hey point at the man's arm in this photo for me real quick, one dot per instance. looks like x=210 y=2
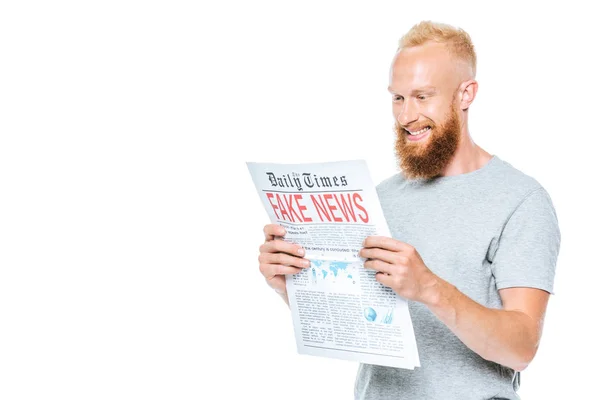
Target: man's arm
x=509 y=336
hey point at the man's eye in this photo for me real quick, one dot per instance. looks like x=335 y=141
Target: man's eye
x=421 y=97
x=398 y=97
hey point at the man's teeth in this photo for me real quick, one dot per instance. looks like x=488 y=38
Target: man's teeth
x=419 y=132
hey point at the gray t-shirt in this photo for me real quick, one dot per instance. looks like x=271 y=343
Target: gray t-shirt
x=482 y=231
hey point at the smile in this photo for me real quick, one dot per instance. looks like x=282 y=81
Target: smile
x=418 y=135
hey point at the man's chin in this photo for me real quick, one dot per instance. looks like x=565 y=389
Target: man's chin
x=418 y=160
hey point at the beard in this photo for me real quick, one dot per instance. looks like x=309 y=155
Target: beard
x=427 y=160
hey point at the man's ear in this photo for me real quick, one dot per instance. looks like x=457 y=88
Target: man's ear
x=467 y=93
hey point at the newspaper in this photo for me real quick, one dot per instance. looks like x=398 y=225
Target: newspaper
x=338 y=308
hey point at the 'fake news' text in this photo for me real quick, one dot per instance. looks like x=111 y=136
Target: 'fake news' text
x=328 y=207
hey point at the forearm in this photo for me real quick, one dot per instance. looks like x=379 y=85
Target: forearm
x=506 y=337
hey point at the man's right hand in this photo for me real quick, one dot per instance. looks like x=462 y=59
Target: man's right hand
x=278 y=258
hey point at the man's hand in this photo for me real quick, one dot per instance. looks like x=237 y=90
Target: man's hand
x=509 y=336
x=400 y=267
x=278 y=258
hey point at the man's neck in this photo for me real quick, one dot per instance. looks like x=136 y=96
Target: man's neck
x=469 y=157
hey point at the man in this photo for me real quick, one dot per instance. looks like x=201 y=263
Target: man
x=474 y=241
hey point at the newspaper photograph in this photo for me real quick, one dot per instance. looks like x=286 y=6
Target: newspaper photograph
x=338 y=308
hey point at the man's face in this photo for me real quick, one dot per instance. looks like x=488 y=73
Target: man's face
x=423 y=83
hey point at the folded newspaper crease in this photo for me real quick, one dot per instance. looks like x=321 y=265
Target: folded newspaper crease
x=338 y=308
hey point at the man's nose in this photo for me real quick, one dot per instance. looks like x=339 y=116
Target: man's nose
x=408 y=114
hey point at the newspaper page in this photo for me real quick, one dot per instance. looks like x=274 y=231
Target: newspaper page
x=338 y=308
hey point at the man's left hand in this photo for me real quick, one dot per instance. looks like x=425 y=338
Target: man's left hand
x=400 y=267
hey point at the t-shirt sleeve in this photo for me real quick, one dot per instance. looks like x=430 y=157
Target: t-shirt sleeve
x=528 y=245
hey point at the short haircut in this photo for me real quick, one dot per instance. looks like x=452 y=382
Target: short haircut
x=457 y=41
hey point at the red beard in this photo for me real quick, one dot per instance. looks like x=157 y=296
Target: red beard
x=428 y=160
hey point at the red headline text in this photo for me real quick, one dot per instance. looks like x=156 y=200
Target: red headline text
x=325 y=207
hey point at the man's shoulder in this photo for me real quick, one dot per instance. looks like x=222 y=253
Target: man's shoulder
x=510 y=179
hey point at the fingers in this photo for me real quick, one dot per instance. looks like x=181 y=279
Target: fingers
x=271 y=271
x=384 y=255
x=379 y=266
x=277 y=246
x=282 y=259
x=385 y=279
x=386 y=243
x=278 y=257
x=272 y=231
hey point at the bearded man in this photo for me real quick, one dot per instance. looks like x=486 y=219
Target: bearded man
x=474 y=240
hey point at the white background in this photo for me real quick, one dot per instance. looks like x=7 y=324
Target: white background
x=129 y=226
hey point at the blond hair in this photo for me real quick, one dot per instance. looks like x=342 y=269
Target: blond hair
x=457 y=41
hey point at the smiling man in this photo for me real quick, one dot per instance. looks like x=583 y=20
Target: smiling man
x=474 y=240
x=426 y=78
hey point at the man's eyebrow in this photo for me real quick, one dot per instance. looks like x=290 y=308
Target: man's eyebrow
x=424 y=89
